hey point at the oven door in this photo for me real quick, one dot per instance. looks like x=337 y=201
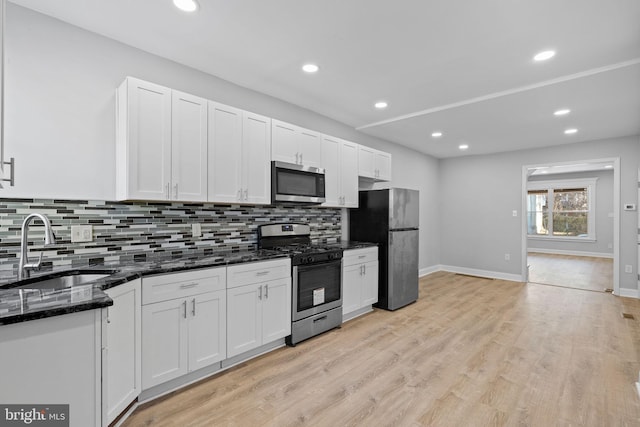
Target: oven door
x=316 y=288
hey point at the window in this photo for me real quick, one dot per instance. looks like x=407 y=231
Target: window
x=562 y=209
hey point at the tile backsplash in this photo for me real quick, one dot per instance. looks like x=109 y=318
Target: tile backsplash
x=123 y=231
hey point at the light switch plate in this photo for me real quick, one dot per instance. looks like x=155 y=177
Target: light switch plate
x=81 y=233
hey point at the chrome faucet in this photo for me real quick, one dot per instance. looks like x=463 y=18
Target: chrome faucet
x=49 y=239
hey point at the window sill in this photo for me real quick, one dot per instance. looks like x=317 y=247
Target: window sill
x=563 y=239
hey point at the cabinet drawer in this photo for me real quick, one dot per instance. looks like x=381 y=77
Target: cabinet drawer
x=258 y=272
x=359 y=256
x=179 y=285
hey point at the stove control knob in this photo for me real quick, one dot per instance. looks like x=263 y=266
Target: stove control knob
x=309 y=260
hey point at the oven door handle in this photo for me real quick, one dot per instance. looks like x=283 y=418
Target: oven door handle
x=320 y=318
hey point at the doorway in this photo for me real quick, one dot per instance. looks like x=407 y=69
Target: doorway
x=571 y=224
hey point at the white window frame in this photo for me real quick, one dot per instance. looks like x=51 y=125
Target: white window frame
x=589 y=184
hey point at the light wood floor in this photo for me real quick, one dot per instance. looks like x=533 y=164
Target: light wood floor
x=470 y=352
x=590 y=273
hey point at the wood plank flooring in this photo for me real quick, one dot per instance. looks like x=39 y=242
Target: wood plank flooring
x=469 y=352
x=590 y=273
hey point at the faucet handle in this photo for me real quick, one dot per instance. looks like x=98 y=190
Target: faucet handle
x=34 y=265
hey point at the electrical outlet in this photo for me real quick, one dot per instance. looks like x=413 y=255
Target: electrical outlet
x=507 y=257
x=628 y=269
x=81 y=233
x=196 y=230
x=514 y=213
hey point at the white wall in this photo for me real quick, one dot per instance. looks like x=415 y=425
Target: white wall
x=603 y=213
x=60 y=115
x=479 y=193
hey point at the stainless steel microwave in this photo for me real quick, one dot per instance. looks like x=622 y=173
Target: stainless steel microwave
x=293 y=183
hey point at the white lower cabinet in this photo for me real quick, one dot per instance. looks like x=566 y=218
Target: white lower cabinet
x=359 y=281
x=183 y=324
x=259 y=304
x=122 y=349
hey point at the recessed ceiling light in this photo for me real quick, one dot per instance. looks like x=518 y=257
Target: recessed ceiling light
x=381 y=105
x=463 y=147
x=571 y=131
x=436 y=134
x=562 y=112
x=186 y=5
x=310 y=68
x=543 y=56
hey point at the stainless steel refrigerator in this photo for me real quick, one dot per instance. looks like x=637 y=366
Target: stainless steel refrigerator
x=390 y=218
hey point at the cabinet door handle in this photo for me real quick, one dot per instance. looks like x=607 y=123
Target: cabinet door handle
x=364 y=270
x=261 y=273
x=175 y=189
x=246 y=194
x=184 y=306
x=188 y=285
x=193 y=307
x=260 y=293
x=301 y=158
x=297 y=162
x=166 y=187
x=361 y=256
x=266 y=291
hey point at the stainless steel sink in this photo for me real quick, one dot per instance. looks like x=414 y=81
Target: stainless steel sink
x=63 y=281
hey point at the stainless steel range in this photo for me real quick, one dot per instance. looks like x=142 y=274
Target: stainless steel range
x=316 y=278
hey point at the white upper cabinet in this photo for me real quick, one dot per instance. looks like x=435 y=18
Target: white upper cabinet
x=256 y=154
x=225 y=153
x=374 y=164
x=161 y=146
x=340 y=161
x=293 y=144
x=239 y=153
x=188 y=147
x=143 y=146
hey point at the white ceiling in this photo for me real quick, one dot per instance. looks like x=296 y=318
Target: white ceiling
x=463 y=67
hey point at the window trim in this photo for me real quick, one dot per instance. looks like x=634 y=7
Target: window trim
x=589 y=184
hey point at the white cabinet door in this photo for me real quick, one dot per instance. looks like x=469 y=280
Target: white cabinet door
x=276 y=310
x=383 y=166
x=293 y=144
x=284 y=144
x=366 y=162
x=310 y=147
x=122 y=384
x=225 y=153
x=244 y=316
x=331 y=164
x=256 y=154
x=351 y=288
x=188 y=147
x=349 y=174
x=143 y=147
x=207 y=319
x=369 y=294
x=164 y=342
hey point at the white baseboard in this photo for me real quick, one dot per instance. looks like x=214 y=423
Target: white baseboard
x=428 y=270
x=629 y=293
x=572 y=253
x=482 y=273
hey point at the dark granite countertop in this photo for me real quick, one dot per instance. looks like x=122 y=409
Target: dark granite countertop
x=19 y=302
x=350 y=244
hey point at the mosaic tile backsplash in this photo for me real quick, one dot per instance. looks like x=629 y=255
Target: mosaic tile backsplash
x=124 y=231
